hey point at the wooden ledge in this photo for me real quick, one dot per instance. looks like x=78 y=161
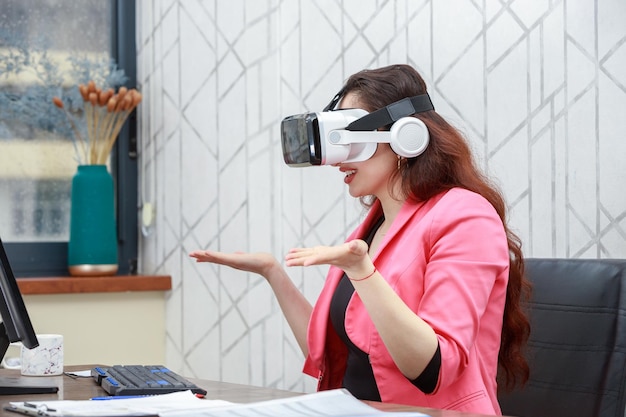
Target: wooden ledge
x=115 y=283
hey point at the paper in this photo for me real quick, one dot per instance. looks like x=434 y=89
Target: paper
x=333 y=403
x=79 y=374
x=149 y=405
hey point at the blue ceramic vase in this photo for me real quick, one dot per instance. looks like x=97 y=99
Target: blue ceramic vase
x=92 y=249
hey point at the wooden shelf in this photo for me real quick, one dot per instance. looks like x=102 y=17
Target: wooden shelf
x=114 y=283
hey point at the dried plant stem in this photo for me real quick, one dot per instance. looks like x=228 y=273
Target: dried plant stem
x=103 y=127
x=117 y=126
x=95 y=146
x=106 y=129
x=80 y=153
x=90 y=135
x=83 y=151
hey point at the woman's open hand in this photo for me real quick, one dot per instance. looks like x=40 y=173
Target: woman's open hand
x=295 y=306
x=259 y=263
x=351 y=256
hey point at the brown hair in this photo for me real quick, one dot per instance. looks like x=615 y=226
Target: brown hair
x=447 y=162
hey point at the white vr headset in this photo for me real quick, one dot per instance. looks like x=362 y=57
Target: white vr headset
x=349 y=135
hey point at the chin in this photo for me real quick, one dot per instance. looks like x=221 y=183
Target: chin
x=355 y=193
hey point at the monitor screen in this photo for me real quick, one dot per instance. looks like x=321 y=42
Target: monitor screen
x=15 y=327
x=15 y=319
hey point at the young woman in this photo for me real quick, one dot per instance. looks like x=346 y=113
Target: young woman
x=423 y=303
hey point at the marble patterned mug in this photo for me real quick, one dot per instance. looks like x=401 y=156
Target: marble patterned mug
x=44 y=360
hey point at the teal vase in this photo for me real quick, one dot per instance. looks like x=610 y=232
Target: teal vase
x=92 y=249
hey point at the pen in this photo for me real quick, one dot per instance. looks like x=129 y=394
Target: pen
x=32 y=409
x=118 y=397
x=21 y=411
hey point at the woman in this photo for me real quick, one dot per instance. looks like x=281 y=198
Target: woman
x=423 y=301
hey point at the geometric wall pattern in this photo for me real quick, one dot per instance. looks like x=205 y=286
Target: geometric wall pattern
x=537 y=86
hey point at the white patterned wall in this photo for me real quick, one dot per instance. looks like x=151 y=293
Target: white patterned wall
x=538 y=86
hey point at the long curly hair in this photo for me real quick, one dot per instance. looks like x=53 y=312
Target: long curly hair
x=447 y=162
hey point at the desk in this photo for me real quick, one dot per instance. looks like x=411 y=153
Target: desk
x=85 y=388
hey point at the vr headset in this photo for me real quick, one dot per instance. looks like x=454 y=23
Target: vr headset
x=350 y=135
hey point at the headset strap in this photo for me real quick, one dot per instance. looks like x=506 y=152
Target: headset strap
x=331 y=106
x=392 y=113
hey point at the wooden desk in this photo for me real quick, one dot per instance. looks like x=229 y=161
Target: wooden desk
x=85 y=388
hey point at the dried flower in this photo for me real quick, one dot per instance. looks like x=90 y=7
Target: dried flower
x=105 y=114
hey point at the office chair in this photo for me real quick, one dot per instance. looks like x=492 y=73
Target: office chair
x=577 y=345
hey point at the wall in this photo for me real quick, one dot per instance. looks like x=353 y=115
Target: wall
x=538 y=87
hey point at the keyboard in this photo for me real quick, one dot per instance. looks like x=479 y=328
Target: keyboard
x=142 y=380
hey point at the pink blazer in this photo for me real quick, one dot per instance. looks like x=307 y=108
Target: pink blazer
x=448 y=259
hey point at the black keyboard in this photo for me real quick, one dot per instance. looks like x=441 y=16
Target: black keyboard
x=142 y=380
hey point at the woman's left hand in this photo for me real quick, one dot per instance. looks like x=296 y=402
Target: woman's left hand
x=351 y=257
x=398 y=326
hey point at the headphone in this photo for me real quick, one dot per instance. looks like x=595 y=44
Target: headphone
x=409 y=135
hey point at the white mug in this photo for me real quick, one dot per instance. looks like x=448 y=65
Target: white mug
x=44 y=360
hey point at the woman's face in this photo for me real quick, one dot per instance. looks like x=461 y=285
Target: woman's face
x=370 y=177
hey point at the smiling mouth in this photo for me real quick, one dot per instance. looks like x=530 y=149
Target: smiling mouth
x=350 y=172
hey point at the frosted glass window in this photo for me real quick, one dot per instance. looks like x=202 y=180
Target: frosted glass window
x=42 y=44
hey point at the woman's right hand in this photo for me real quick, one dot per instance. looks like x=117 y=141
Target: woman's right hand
x=295 y=306
x=259 y=263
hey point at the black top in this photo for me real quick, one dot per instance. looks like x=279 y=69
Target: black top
x=359 y=377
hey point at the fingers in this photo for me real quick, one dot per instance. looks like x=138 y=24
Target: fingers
x=214 y=257
x=202 y=256
x=300 y=257
x=197 y=254
x=317 y=255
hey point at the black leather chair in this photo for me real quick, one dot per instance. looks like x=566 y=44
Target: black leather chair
x=577 y=346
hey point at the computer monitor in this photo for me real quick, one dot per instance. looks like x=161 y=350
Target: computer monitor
x=15 y=327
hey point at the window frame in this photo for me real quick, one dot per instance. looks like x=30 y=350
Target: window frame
x=48 y=259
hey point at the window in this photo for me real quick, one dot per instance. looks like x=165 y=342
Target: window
x=36 y=150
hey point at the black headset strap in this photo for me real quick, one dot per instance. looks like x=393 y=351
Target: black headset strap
x=392 y=113
x=334 y=101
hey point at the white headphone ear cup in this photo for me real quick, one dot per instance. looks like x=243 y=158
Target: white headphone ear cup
x=409 y=137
